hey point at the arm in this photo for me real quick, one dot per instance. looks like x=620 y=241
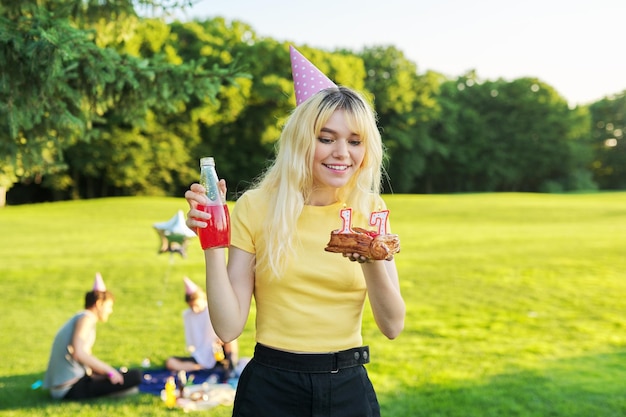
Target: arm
x=229 y=287
x=229 y=290
x=383 y=290
x=81 y=350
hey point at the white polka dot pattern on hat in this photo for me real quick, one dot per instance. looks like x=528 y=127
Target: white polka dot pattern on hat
x=307 y=78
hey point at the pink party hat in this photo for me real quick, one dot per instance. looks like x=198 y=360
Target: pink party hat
x=307 y=78
x=98 y=283
x=190 y=286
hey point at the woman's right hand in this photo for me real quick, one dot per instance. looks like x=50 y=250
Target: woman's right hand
x=196 y=194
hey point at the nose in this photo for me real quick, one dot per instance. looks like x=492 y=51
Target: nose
x=341 y=149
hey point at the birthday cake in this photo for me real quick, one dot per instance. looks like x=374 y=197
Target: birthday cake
x=366 y=243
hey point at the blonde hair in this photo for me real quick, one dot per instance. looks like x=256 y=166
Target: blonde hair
x=289 y=180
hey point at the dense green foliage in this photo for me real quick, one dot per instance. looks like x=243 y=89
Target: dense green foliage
x=507 y=136
x=98 y=100
x=70 y=77
x=608 y=135
x=515 y=303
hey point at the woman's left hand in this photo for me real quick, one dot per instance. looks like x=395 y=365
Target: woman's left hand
x=355 y=257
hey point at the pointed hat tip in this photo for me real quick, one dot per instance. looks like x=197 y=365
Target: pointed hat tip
x=98 y=283
x=308 y=80
x=190 y=286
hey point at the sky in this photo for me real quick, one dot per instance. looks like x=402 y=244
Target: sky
x=576 y=46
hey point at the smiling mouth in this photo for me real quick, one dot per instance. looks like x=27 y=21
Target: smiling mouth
x=337 y=167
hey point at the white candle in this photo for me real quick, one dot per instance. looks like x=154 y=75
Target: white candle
x=379 y=218
x=346 y=215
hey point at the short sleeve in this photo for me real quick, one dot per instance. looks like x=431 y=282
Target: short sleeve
x=241 y=225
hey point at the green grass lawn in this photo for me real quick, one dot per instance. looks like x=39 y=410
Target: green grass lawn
x=515 y=303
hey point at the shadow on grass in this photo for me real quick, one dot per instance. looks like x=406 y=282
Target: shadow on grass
x=590 y=386
x=17 y=393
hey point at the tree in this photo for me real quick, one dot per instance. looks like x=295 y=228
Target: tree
x=609 y=141
x=153 y=155
x=57 y=81
x=530 y=125
x=460 y=131
x=403 y=101
x=507 y=136
x=220 y=43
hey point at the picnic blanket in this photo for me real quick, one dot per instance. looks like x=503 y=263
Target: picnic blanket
x=154 y=379
x=202 y=389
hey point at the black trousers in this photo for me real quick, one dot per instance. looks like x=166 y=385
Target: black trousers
x=281 y=384
x=91 y=387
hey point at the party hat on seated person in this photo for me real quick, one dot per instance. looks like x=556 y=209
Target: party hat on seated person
x=98 y=283
x=307 y=78
x=190 y=286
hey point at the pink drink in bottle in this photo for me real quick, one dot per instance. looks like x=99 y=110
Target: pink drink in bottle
x=217 y=232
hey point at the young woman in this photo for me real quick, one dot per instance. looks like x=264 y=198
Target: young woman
x=309 y=356
x=73 y=372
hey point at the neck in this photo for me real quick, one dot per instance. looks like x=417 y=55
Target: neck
x=322 y=198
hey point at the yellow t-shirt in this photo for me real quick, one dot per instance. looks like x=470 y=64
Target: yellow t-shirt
x=317 y=306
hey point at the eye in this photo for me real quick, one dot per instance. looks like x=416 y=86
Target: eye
x=325 y=140
x=356 y=142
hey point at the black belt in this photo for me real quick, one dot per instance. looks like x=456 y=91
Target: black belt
x=311 y=362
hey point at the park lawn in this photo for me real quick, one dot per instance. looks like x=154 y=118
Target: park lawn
x=515 y=303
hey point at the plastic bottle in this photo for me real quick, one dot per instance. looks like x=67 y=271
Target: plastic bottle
x=182 y=381
x=170 y=392
x=217 y=232
x=218 y=352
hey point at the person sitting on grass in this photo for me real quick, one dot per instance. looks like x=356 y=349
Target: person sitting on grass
x=73 y=372
x=207 y=351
